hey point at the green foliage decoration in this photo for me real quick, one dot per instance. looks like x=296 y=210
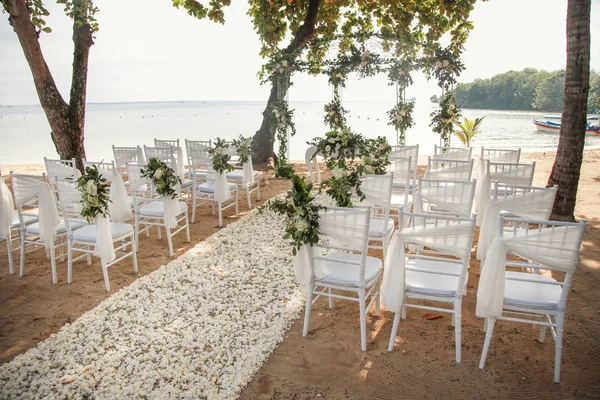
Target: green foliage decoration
x=220 y=156
x=94 y=194
x=244 y=148
x=163 y=177
x=301 y=212
x=442 y=120
x=400 y=117
x=376 y=157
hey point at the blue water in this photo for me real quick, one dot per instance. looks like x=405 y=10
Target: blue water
x=25 y=133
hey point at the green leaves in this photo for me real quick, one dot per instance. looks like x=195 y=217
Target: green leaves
x=94 y=194
x=442 y=119
x=214 y=11
x=163 y=177
x=220 y=156
x=468 y=129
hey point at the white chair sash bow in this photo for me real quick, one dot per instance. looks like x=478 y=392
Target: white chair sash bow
x=533 y=205
x=557 y=248
x=49 y=218
x=105 y=247
x=393 y=290
x=170 y=211
x=439 y=196
x=248 y=173
x=119 y=208
x=221 y=190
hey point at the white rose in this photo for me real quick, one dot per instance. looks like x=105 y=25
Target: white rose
x=362 y=64
x=158 y=173
x=438 y=64
x=452 y=106
x=91 y=188
x=403 y=113
x=301 y=225
x=338 y=173
x=339 y=75
x=446 y=63
x=331 y=140
x=284 y=63
x=332 y=113
x=337 y=119
x=328 y=148
x=281 y=69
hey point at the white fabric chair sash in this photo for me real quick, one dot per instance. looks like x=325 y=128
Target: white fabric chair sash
x=440 y=196
x=248 y=173
x=557 y=248
x=170 y=211
x=7 y=209
x=136 y=180
x=435 y=237
x=454 y=155
x=48 y=214
x=119 y=208
x=513 y=176
x=221 y=189
x=340 y=228
x=59 y=170
x=375 y=192
x=533 y=205
x=459 y=172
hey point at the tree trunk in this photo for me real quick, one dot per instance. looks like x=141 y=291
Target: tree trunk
x=265 y=136
x=66 y=120
x=569 y=157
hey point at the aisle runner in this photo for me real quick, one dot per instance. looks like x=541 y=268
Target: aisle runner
x=200 y=326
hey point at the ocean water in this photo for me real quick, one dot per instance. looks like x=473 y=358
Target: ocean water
x=25 y=133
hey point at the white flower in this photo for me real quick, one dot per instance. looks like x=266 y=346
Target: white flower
x=332 y=113
x=438 y=64
x=301 y=225
x=284 y=63
x=362 y=64
x=91 y=188
x=220 y=151
x=158 y=173
x=331 y=140
x=328 y=148
x=446 y=63
x=337 y=119
x=338 y=173
x=339 y=75
x=403 y=113
x=452 y=106
x=281 y=69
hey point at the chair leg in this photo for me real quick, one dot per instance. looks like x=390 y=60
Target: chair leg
x=220 y=215
x=258 y=189
x=330 y=298
x=194 y=202
x=136 y=228
x=394 y=330
x=542 y=335
x=309 y=292
x=403 y=312
x=89 y=256
x=458 y=328
x=560 y=320
x=134 y=255
x=159 y=233
x=237 y=203
x=363 y=320
x=69 y=261
x=488 y=339
x=170 y=241
x=105 y=273
x=187 y=226
x=9 y=250
x=248 y=197
x=378 y=298
x=22 y=260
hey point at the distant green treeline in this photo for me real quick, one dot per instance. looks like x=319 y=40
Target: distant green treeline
x=530 y=89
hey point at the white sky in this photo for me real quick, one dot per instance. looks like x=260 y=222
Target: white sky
x=146 y=50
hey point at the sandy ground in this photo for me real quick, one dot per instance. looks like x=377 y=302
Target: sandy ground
x=329 y=363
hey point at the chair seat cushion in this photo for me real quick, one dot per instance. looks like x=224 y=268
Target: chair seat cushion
x=155 y=209
x=238 y=174
x=398 y=200
x=380 y=227
x=34 y=229
x=531 y=294
x=87 y=233
x=402 y=185
x=347 y=274
x=209 y=187
x=27 y=219
x=186 y=183
x=432 y=284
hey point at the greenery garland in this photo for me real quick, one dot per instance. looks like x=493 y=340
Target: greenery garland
x=335 y=114
x=302 y=214
x=376 y=158
x=400 y=117
x=343 y=184
x=163 y=177
x=282 y=120
x=94 y=193
x=443 y=119
x=243 y=148
x=220 y=156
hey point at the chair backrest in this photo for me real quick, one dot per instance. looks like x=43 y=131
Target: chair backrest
x=61 y=168
x=378 y=192
x=196 y=151
x=444 y=169
x=445 y=238
x=502 y=191
x=501 y=155
x=107 y=169
x=510 y=173
x=166 y=142
x=124 y=155
x=412 y=152
x=403 y=177
x=141 y=188
x=312 y=165
x=166 y=154
x=452 y=153
x=26 y=189
x=453 y=197
x=345 y=230
x=544 y=245
x=69 y=198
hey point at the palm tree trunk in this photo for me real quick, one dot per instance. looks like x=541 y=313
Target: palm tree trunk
x=569 y=157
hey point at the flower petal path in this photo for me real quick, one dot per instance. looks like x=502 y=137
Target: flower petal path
x=198 y=327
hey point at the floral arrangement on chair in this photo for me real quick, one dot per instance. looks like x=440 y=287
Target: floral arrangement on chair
x=94 y=193
x=243 y=148
x=163 y=177
x=220 y=156
x=302 y=214
x=375 y=159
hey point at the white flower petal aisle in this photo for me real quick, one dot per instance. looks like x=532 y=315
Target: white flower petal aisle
x=200 y=326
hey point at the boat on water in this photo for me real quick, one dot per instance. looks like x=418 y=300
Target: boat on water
x=551 y=124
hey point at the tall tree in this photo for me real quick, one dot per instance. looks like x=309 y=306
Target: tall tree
x=569 y=156
x=66 y=119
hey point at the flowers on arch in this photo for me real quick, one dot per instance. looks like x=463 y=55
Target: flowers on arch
x=442 y=120
x=344 y=184
x=400 y=117
x=335 y=114
x=220 y=156
x=163 y=177
x=444 y=64
x=340 y=146
x=243 y=148
x=94 y=193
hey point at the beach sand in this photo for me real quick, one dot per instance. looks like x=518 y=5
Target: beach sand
x=328 y=363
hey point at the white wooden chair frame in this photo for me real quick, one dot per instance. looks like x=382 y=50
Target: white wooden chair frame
x=237 y=176
x=438 y=169
x=380 y=211
x=452 y=153
x=506 y=155
x=403 y=185
x=442 y=260
x=553 y=318
x=365 y=293
x=193 y=148
x=412 y=153
x=145 y=196
x=461 y=191
x=78 y=244
x=169 y=156
x=312 y=165
x=521 y=174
